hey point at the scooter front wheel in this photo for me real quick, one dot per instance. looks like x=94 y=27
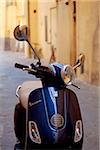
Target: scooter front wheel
x=77 y=146
x=18 y=146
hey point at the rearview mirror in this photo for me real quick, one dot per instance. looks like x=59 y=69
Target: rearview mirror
x=80 y=61
x=81 y=58
x=67 y=74
x=21 y=33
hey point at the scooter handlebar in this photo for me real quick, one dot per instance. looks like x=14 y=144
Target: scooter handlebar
x=32 y=69
x=20 y=66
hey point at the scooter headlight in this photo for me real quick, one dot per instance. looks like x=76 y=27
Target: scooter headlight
x=67 y=74
x=34 y=132
x=78 y=131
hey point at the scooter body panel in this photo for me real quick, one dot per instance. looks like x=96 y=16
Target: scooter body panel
x=52 y=115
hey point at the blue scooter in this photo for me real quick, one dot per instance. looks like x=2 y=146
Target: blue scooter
x=48 y=114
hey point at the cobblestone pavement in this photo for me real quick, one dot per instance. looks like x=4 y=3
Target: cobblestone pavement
x=9 y=79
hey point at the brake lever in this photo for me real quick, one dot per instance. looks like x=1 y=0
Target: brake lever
x=75 y=86
x=29 y=69
x=70 y=83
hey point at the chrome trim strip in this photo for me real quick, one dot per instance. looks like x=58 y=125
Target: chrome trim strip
x=51 y=92
x=46 y=111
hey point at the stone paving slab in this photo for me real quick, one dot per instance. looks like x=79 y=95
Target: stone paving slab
x=89 y=100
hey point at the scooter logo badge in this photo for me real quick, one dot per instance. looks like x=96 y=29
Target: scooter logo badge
x=57 y=120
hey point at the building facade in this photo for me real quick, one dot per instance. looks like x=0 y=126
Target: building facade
x=68 y=27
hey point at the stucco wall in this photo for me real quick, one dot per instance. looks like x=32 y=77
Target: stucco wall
x=64 y=30
x=44 y=11
x=64 y=33
x=88 y=38
x=2 y=24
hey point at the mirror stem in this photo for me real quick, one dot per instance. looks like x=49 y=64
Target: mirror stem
x=77 y=65
x=34 y=51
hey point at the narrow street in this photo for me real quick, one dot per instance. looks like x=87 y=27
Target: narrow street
x=9 y=79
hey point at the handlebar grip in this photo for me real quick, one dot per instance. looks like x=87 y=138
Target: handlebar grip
x=20 y=66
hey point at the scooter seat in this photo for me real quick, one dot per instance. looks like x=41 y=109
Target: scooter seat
x=26 y=88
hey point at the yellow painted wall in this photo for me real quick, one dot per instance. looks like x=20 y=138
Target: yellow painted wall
x=33 y=22
x=64 y=29
x=65 y=32
x=44 y=10
x=12 y=14
x=88 y=38
x=87 y=28
x=22 y=19
x=2 y=23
